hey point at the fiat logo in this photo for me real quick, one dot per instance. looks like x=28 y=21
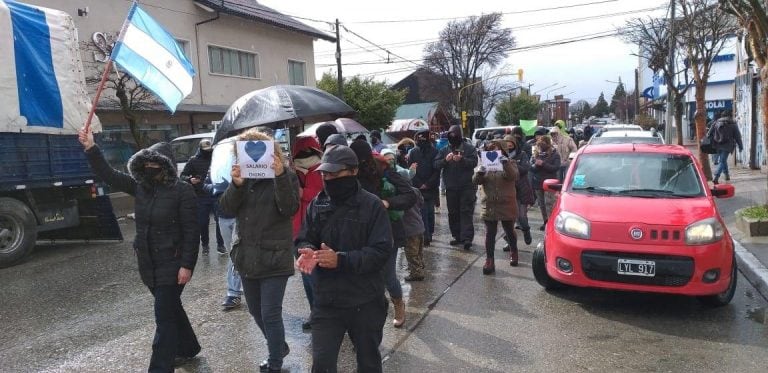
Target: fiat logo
x=636 y=233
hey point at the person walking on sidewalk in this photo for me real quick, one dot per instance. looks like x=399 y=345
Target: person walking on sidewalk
x=544 y=166
x=458 y=161
x=499 y=204
x=726 y=136
x=165 y=243
x=262 y=252
x=564 y=145
x=345 y=243
x=426 y=179
x=394 y=190
x=306 y=160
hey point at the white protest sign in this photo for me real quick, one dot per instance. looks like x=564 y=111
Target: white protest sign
x=491 y=161
x=255 y=159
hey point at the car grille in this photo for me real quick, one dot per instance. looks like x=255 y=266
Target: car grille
x=670 y=270
x=665 y=235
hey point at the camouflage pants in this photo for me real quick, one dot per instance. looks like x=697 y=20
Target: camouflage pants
x=414 y=254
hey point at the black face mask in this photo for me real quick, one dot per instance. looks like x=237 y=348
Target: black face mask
x=424 y=143
x=340 y=189
x=152 y=172
x=454 y=140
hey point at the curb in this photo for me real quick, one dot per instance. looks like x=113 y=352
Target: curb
x=749 y=266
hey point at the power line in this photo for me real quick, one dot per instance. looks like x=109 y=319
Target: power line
x=503 y=13
x=523 y=27
x=377 y=46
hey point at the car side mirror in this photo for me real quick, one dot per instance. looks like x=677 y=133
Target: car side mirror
x=723 y=191
x=552 y=185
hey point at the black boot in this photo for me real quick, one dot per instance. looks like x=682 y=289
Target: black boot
x=527 y=236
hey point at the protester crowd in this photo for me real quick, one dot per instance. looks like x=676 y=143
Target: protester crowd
x=338 y=210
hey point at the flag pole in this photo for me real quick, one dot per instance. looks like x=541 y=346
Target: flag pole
x=107 y=70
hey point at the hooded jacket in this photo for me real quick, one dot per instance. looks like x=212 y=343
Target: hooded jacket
x=166 y=213
x=198 y=166
x=457 y=175
x=310 y=180
x=426 y=173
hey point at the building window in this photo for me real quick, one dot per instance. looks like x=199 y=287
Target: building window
x=296 y=73
x=233 y=62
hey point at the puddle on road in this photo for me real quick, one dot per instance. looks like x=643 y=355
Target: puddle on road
x=758 y=314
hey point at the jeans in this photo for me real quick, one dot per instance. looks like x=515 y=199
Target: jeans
x=265 y=303
x=173 y=332
x=722 y=167
x=522 y=216
x=234 y=284
x=306 y=280
x=428 y=218
x=390 y=276
x=491 y=227
x=204 y=210
x=546 y=202
x=365 y=325
x=461 y=209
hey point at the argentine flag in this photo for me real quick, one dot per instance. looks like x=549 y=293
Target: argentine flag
x=42 y=87
x=151 y=56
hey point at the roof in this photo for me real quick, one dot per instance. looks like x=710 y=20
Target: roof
x=416 y=111
x=250 y=9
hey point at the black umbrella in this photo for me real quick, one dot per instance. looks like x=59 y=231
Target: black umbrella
x=281 y=106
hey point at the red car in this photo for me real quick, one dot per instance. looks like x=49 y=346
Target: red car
x=638 y=217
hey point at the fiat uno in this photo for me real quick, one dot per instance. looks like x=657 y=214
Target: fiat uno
x=638 y=217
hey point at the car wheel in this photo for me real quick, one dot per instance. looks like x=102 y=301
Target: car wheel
x=18 y=231
x=722 y=299
x=539 y=266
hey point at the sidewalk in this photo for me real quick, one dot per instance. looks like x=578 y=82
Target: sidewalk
x=751 y=252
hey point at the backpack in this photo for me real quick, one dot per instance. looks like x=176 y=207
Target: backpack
x=719 y=133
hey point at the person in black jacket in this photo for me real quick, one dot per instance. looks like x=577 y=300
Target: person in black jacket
x=165 y=242
x=194 y=173
x=344 y=243
x=426 y=179
x=394 y=190
x=458 y=161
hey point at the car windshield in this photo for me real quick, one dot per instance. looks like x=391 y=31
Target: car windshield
x=648 y=175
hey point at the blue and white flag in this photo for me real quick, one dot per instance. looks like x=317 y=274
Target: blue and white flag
x=42 y=87
x=151 y=56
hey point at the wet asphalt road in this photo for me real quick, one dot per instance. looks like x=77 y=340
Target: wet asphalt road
x=75 y=307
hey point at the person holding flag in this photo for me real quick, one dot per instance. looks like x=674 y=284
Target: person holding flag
x=167 y=253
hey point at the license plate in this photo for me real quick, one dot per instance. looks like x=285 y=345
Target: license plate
x=633 y=267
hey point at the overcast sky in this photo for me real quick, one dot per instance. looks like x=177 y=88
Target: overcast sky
x=581 y=67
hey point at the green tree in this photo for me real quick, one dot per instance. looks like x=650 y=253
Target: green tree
x=374 y=102
x=512 y=110
x=601 y=107
x=618 y=105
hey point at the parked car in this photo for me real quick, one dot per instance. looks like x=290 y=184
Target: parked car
x=185 y=147
x=486 y=130
x=626 y=136
x=666 y=237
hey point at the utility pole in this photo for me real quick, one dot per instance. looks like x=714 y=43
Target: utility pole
x=339 y=80
x=670 y=91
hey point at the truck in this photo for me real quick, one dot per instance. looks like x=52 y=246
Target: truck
x=47 y=190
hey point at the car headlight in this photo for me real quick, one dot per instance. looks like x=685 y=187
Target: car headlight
x=572 y=225
x=704 y=232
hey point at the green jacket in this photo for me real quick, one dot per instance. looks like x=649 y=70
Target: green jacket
x=262 y=246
